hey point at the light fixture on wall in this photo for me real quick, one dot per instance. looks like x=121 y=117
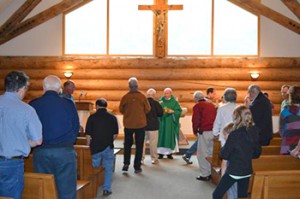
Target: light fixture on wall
x=254 y=75
x=68 y=74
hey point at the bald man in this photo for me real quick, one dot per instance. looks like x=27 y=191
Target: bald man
x=60 y=128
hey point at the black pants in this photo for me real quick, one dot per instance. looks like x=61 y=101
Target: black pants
x=139 y=143
x=226 y=182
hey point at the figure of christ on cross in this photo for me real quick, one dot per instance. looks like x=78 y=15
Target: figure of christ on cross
x=160 y=11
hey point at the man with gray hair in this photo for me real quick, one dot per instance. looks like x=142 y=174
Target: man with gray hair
x=60 y=122
x=261 y=110
x=152 y=125
x=20 y=130
x=134 y=106
x=224 y=113
x=204 y=114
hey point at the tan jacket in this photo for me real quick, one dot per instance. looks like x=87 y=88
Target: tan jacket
x=134 y=106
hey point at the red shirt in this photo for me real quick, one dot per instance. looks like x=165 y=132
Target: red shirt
x=204 y=114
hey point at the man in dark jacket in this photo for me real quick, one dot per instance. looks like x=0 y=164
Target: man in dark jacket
x=261 y=110
x=152 y=125
x=102 y=129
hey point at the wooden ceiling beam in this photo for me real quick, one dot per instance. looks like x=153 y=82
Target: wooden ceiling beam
x=40 y=18
x=261 y=9
x=293 y=5
x=18 y=16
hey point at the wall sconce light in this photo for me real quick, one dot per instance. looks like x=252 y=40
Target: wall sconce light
x=254 y=75
x=68 y=74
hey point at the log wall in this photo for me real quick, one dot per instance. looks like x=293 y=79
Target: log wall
x=107 y=76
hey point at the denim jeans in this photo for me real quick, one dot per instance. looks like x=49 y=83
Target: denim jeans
x=226 y=182
x=61 y=162
x=11 y=178
x=107 y=158
x=139 y=143
x=192 y=149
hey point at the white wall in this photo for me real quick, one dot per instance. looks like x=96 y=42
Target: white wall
x=277 y=41
x=46 y=39
x=43 y=40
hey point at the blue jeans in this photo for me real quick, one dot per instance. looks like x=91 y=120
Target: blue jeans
x=11 y=178
x=226 y=182
x=61 y=162
x=192 y=149
x=107 y=158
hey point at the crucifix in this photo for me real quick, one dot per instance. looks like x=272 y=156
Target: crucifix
x=160 y=27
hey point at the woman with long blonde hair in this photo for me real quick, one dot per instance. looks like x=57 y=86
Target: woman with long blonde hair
x=240 y=148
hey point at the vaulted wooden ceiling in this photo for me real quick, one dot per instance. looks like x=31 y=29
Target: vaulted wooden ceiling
x=16 y=25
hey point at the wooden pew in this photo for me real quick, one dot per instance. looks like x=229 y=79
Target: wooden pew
x=85 y=169
x=276 y=185
x=276 y=141
x=271 y=150
x=264 y=163
x=42 y=186
x=81 y=141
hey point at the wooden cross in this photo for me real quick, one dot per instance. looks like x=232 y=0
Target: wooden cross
x=160 y=27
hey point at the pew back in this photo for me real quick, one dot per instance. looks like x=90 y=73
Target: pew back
x=39 y=186
x=276 y=184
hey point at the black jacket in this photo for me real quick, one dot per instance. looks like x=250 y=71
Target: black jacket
x=101 y=126
x=261 y=110
x=240 y=148
x=152 y=117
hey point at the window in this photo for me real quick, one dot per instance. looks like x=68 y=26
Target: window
x=85 y=29
x=189 y=31
x=202 y=28
x=234 y=35
x=130 y=29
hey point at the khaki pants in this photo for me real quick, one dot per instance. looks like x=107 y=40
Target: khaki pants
x=205 y=149
x=152 y=136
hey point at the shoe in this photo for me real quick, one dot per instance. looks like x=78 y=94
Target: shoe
x=138 y=170
x=207 y=178
x=106 y=192
x=187 y=160
x=170 y=156
x=125 y=167
x=154 y=161
x=160 y=156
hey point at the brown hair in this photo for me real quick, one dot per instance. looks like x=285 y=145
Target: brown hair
x=228 y=128
x=294 y=92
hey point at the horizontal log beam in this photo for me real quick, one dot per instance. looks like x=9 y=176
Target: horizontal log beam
x=92 y=62
x=242 y=74
x=103 y=84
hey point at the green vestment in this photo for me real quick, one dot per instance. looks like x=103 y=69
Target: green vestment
x=169 y=124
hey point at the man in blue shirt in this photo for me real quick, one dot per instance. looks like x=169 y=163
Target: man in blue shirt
x=60 y=128
x=20 y=130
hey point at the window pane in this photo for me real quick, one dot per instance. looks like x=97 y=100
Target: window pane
x=130 y=28
x=85 y=29
x=236 y=30
x=189 y=30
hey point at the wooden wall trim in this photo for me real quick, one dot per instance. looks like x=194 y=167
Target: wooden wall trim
x=93 y=62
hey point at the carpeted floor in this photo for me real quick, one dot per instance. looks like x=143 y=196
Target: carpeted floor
x=170 y=179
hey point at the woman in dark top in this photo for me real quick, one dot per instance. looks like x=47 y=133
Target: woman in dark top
x=240 y=148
